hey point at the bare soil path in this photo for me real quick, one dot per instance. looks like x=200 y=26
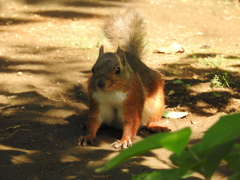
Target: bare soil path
x=47 y=49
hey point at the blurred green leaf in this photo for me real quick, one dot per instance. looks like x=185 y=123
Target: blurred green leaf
x=233 y=158
x=205 y=156
x=212 y=157
x=236 y=176
x=178 y=81
x=174 y=141
x=165 y=174
x=219 y=142
x=226 y=129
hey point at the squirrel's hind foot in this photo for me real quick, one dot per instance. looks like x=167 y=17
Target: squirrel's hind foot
x=158 y=129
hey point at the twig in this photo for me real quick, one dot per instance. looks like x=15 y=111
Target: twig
x=9 y=135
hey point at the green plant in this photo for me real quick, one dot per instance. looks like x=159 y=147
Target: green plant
x=84 y=42
x=179 y=81
x=220 y=81
x=218 y=143
x=210 y=61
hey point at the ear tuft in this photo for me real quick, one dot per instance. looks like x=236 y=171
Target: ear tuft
x=120 y=52
x=101 y=50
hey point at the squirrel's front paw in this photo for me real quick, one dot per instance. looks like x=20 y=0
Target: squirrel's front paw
x=122 y=143
x=84 y=140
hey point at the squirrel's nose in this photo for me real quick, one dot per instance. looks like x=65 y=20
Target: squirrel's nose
x=101 y=83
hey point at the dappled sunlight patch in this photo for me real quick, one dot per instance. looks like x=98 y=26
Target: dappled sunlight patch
x=22 y=156
x=205 y=107
x=98 y=163
x=21 y=159
x=9 y=148
x=157 y=161
x=70 y=158
x=200 y=87
x=52 y=120
x=47 y=51
x=95 y=164
x=60 y=112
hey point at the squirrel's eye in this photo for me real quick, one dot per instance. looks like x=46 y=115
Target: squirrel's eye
x=118 y=70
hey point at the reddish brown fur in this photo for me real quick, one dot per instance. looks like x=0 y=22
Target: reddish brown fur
x=93 y=123
x=133 y=107
x=139 y=87
x=156 y=89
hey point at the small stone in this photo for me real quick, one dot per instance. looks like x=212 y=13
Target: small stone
x=23 y=108
x=19 y=73
x=205 y=46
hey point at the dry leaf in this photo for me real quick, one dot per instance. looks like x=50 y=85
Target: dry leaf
x=171 y=92
x=174 y=48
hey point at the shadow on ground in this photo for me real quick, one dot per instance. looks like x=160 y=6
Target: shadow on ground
x=43 y=99
x=195 y=93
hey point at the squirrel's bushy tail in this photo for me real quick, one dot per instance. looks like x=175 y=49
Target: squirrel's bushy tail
x=127 y=30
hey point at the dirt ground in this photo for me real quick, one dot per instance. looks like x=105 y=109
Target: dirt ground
x=47 y=49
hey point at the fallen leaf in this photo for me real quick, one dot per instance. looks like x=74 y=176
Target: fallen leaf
x=174 y=48
x=192 y=122
x=171 y=114
x=178 y=81
x=171 y=92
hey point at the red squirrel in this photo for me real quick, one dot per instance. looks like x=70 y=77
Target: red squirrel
x=124 y=92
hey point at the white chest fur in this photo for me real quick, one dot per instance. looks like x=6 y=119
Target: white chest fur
x=111 y=107
x=110 y=98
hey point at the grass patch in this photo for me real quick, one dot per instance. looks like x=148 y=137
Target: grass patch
x=84 y=42
x=211 y=61
x=220 y=81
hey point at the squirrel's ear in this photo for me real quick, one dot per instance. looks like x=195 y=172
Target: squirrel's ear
x=121 y=54
x=101 y=50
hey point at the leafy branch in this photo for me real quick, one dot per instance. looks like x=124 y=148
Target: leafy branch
x=218 y=143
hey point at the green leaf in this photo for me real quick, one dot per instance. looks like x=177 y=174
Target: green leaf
x=142 y=176
x=165 y=174
x=186 y=159
x=212 y=158
x=217 y=142
x=216 y=94
x=204 y=162
x=236 y=176
x=178 y=81
x=224 y=130
x=233 y=158
x=174 y=141
x=170 y=114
